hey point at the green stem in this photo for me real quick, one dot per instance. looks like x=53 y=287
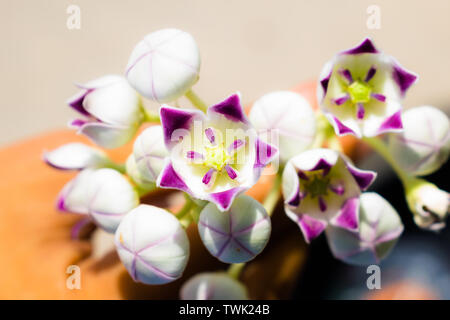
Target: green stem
x=378 y=145
x=274 y=195
x=151 y=117
x=234 y=270
x=187 y=207
x=116 y=166
x=195 y=100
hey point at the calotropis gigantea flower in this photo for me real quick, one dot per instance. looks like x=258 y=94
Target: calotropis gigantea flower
x=152 y=245
x=379 y=229
x=150 y=152
x=111 y=108
x=237 y=235
x=424 y=145
x=164 y=65
x=360 y=91
x=320 y=186
x=287 y=118
x=429 y=204
x=76 y=156
x=213 y=157
x=213 y=286
x=103 y=194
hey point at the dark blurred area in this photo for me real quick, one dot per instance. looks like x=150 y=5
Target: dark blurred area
x=417 y=268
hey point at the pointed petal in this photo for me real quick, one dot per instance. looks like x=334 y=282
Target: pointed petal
x=173 y=119
x=366 y=46
x=265 y=153
x=224 y=199
x=363 y=178
x=392 y=123
x=169 y=179
x=310 y=227
x=106 y=135
x=75 y=156
x=403 y=78
x=340 y=128
x=348 y=217
x=76 y=102
x=231 y=109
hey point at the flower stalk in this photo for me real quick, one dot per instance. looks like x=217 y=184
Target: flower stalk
x=195 y=100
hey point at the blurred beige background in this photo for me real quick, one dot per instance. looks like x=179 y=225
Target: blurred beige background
x=251 y=46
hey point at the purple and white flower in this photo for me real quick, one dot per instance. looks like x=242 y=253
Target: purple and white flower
x=111 y=110
x=213 y=286
x=379 y=229
x=321 y=187
x=152 y=245
x=76 y=156
x=360 y=91
x=213 y=157
x=164 y=65
x=103 y=194
x=285 y=119
x=424 y=145
x=237 y=235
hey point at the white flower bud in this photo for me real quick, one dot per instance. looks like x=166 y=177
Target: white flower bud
x=152 y=245
x=164 y=65
x=429 y=204
x=149 y=153
x=76 y=156
x=104 y=194
x=135 y=175
x=213 y=286
x=379 y=229
x=236 y=235
x=424 y=145
x=285 y=119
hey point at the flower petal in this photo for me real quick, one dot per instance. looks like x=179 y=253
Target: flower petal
x=265 y=153
x=363 y=178
x=76 y=102
x=349 y=215
x=106 y=135
x=224 y=199
x=310 y=227
x=174 y=121
x=230 y=108
x=169 y=179
x=403 y=78
x=366 y=46
x=75 y=156
x=392 y=124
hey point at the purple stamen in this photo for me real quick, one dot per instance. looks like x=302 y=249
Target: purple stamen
x=379 y=97
x=341 y=100
x=235 y=145
x=209 y=177
x=231 y=172
x=322 y=204
x=339 y=189
x=347 y=75
x=302 y=175
x=360 y=113
x=193 y=155
x=210 y=135
x=370 y=74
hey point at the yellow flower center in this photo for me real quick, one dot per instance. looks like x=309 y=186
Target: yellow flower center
x=216 y=157
x=359 y=92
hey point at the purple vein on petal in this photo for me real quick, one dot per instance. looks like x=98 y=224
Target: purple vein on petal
x=235 y=145
x=193 y=155
x=209 y=177
x=360 y=111
x=209 y=132
x=322 y=204
x=370 y=73
x=231 y=172
x=379 y=97
x=346 y=74
x=207 y=226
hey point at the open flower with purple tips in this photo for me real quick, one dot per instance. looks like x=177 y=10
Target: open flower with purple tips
x=322 y=187
x=215 y=156
x=111 y=111
x=360 y=91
